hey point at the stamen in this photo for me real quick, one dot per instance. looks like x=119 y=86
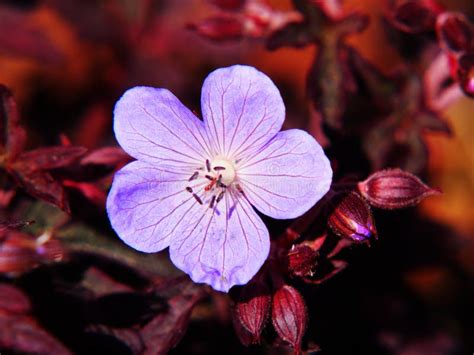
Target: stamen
x=219 y=182
x=208 y=177
x=211 y=204
x=194 y=176
x=197 y=199
x=208 y=165
x=218 y=168
x=239 y=188
x=221 y=195
x=188 y=189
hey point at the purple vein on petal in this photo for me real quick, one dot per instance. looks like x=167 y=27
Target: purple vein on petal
x=239 y=119
x=174 y=134
x=206 y=149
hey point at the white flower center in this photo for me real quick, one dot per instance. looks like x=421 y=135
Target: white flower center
x=209 y=183
x=224 y=168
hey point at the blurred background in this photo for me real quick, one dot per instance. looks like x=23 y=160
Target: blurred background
x=67 y=63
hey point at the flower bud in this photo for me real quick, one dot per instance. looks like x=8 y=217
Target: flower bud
x=351 y=217
x=253 y=307
x=466 y=73
x=454 y=31
x=394 y=188
x=302 y=260
x=21 y=252
x=289 y=316
x=415 y=16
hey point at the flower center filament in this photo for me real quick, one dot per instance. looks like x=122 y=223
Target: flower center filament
x=214 y=178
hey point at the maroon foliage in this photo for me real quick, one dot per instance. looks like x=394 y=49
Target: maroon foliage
x=219 y=28
x=20 y=332
x=164 y=331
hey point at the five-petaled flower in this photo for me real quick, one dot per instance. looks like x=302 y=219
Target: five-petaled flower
x=194 y=182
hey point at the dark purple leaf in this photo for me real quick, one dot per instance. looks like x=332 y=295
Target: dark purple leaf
x=13 y=136
x=219 y=28
x=229 y=5
x=164 y=331
x=48 y=158
x=22 y=334
x=13 y=300
x=42 y=185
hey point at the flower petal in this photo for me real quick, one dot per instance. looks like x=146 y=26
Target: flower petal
x=221 y=247
x=146 y=203
x=288 y=176
x=153 y=125
x=242 y=109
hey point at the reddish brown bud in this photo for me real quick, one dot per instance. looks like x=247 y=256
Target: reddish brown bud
x=351 y=217
x=219 y=28
x=414 y=16
x=289 y=316
x=302 y=260
x=252 y=308
x=454 y=31
x=21 y=252
x=394 y=188
x=466 y=74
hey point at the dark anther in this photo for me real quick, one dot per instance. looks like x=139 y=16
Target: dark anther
x=208 y=165
x=221 y=195
x=197 y=199
x=211 y=204
x=194 y=176
x=188 y=189
x=217 y=168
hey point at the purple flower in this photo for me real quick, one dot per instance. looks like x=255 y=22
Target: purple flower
x=194 y=182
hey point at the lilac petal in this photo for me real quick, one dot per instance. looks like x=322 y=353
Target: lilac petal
x=222 y=248
x=242 y=110
x=287 y=176
x=153 y=125
x=146 y=203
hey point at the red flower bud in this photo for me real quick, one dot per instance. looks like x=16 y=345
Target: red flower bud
x=466 y=73
x=21 y=252
x=252 y=308
x=351 y=217
x=414 y=16
x=289 y=316
x=302 y=260
x=394 y=188
x=219 y=28
x=454 y=31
